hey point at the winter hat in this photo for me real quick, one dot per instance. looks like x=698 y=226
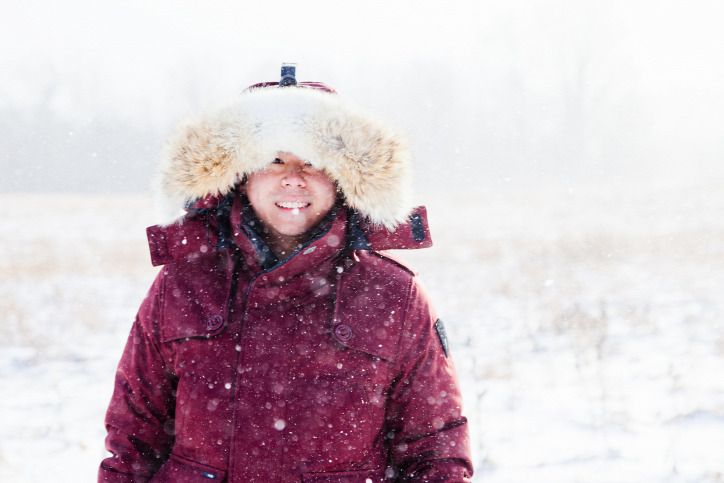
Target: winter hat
x=369 y=160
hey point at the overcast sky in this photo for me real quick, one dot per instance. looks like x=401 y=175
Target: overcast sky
x=152 y=61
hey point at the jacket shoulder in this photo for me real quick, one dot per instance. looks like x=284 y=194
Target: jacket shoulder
x=192 y=235
x=388 y=262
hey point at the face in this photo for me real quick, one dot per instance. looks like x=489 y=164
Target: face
x=290 y=197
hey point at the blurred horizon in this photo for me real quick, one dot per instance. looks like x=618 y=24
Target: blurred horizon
x=489 y=92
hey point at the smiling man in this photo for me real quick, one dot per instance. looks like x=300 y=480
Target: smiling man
x=280 y=341
x=290 y=197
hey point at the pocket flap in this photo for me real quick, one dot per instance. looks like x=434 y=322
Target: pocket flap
x=371 y=338
x=180 y=469
x=201 y=327
x=364 y=476
x=367 y=317
x=190 y=307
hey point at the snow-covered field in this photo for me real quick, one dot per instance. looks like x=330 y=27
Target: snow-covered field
x=587 y=325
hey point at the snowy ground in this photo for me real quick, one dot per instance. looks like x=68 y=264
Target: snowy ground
x=587 y=326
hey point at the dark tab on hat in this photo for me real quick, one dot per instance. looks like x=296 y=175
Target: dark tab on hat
x=289 y=72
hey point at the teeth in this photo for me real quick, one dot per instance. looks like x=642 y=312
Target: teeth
x=291 y=204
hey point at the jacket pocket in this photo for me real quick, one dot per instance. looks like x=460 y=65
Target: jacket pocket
x=199 y=326
x=181 y=470
x=364 y=476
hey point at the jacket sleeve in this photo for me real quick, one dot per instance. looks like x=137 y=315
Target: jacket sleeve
x=140 y=417
x=430 y=441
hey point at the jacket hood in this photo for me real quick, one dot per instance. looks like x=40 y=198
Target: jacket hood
x=369 y=161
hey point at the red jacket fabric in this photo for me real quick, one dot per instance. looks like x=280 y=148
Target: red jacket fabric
x=329 y=366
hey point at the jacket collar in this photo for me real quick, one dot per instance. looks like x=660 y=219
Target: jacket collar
x=216 y=223
x=249 y=223
x=326 y=242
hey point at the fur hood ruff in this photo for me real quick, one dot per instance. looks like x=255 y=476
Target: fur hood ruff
x=369 y=161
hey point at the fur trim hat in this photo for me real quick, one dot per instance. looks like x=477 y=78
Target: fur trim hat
x=369 y=161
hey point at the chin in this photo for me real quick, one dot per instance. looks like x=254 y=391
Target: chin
x=296 y=228
x=294 y=231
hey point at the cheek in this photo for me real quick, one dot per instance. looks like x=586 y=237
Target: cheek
x=255 y=185
x=326 y=192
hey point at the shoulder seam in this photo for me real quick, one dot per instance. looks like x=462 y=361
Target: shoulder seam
x=395 y=261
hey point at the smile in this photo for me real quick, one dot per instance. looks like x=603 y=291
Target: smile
x=291 y=204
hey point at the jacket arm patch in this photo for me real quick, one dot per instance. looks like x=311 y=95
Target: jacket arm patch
x=440 y=329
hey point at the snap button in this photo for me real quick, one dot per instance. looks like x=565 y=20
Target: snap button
x=214 y=322
x=343 y=332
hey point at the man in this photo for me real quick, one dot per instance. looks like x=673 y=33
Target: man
x=280 y=342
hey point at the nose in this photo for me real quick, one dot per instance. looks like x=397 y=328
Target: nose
x=294 y=177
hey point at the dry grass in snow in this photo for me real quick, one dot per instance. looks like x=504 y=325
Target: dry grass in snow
x=587 y=325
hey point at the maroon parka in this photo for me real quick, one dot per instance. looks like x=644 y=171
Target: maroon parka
x=330 y=366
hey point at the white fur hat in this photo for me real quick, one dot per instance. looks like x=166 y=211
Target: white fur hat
x=369 y=161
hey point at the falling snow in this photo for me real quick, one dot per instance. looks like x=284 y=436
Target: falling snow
x=586 y=325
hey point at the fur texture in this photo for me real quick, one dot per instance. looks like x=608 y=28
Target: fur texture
x=369 y=161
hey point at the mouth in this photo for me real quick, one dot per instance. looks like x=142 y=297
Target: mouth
x=291 y=204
